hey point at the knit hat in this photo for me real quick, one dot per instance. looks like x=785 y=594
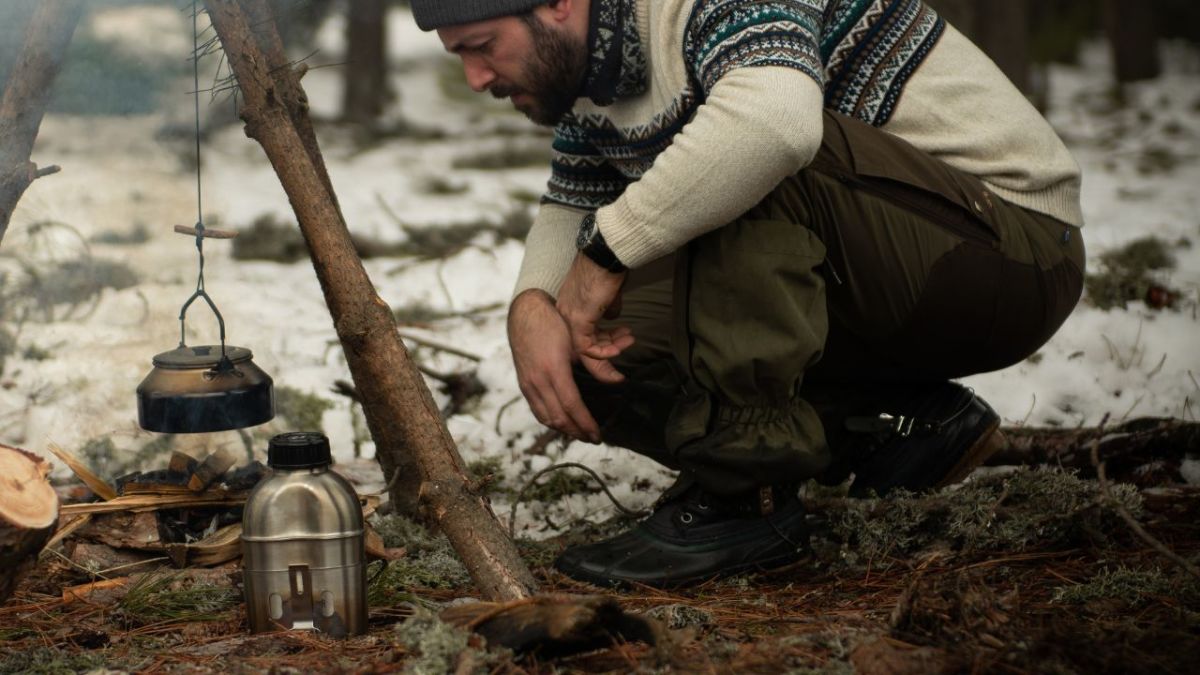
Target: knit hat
x=433 y=14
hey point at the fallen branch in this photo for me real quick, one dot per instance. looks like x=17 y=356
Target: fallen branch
x=1127 y=445
x=1132 y=522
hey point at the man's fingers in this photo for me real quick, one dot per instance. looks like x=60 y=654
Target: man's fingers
x=603 y=370
x=548 y=409
x=608 y=344
x=574 y=407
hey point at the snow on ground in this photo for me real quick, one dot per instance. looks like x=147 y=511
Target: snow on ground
x=120 y=173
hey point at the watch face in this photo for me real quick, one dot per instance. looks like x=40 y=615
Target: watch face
x=587 y=230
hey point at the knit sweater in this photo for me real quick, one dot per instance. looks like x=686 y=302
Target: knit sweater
x=694 y=110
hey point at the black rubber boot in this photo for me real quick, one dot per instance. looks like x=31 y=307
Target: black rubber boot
x=693 y=536
x=928 y=437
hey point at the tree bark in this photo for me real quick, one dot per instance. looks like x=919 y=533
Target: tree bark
x=26 y=96
x=1123 y=448
x=366 y=71
x=28 y=514
x=1133 y=36
x=400 y=412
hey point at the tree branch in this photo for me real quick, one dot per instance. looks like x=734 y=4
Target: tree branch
x=401 y=415
x=26 y=96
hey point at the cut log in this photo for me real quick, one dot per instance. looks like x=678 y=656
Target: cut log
x=28 y=513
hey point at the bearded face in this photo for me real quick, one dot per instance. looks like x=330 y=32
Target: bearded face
x=553 y=74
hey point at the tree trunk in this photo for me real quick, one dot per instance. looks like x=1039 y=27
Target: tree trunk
x=28 y=514
x=1002 y=30
x=400 y=412
x=366 y=68
x=1133 y=36
x=26 y=95
x=999 y=27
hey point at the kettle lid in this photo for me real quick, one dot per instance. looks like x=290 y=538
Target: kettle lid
x=298 y=450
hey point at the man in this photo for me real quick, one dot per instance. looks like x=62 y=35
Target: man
x=808 y=216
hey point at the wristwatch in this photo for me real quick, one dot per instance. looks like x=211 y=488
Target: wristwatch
x=591 y=243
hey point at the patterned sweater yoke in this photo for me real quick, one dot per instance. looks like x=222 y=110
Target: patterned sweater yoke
x=693 y=110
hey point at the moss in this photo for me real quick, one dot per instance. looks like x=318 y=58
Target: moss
x=42 y=659
x=33 y=353
x=1131 y=587
x=101 y=455
x=137 y=235
x=437 y=185
x=73 y=282
x=509 y=155
x=559 y=484
x=8 y=344
x=488 y=472
x=1127 y=274
x=269 y=238
x=1013 y=512
x=302 y=411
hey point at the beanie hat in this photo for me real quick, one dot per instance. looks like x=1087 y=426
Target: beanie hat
x=433 y=14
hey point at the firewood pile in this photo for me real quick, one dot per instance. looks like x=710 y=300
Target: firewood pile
x=187 y=515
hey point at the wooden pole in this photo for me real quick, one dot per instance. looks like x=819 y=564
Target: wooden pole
x=26 y=96
x=400 y=411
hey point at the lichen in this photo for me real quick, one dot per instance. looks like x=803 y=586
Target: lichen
x=435 y=647
x=1012 y=512
x=679 y=615
x=1131 y=587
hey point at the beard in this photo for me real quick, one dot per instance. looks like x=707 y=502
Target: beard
x=554 y=74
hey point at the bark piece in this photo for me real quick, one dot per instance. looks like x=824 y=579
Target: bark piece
x=101 y=559
x=28 y=513
x=26 y=96
x=413 y=444
x=123 y=530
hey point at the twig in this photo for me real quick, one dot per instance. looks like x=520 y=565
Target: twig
x=512 y=515
x=500 y=412
x=439 y=346
x=1132 y=522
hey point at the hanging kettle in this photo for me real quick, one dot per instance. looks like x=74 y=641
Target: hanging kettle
x=206 y=388
x=203 y=389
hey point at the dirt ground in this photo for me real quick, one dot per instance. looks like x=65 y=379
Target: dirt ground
x=988 y=578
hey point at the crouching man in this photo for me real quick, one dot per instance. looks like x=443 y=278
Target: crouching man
x=774 y=231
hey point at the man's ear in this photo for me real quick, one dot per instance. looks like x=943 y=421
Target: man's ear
x=560 y=11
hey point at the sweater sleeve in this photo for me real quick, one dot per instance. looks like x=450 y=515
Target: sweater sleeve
x=549 y=248
x=757 y=126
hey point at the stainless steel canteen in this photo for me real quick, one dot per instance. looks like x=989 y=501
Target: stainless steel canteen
x=303 y=544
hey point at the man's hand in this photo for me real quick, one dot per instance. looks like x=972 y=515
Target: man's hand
x=588 y=294
x=542 y=353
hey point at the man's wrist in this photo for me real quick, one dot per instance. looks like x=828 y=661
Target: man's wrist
x=590 y=242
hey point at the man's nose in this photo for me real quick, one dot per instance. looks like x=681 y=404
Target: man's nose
x=479 y=76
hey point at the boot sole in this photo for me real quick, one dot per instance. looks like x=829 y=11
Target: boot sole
x=769 y=565
x=988 y=444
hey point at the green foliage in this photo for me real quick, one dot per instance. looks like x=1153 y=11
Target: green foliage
x=302 y=411
x=172 y=598
x=1126 y=274
x=1014 y=512
x=480 y=469
x=558 y=484
x=1130 y=587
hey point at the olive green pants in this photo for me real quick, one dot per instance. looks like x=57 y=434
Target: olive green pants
x=877 y=265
